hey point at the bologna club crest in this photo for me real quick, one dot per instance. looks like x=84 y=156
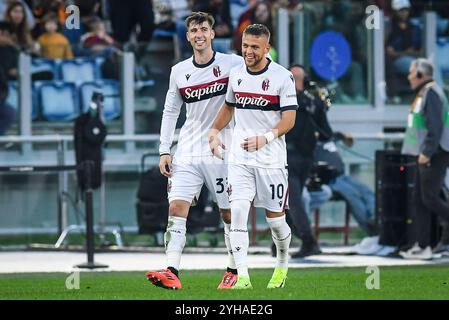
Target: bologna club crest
x=265 y=84
x=217 y=71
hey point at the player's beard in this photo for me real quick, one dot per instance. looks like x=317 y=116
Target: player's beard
x=256 y=62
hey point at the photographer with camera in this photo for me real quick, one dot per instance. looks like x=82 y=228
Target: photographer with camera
x=311 y=125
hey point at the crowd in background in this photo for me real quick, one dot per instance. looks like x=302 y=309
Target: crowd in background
x=39 y=27
x=108 y=27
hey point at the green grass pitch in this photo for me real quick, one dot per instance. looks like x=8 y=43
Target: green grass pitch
x=410 y=282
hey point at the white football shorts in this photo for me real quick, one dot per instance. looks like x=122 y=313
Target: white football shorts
x=268 y=187
x=189 y=176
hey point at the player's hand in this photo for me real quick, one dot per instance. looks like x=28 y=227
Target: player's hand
x=423 y=160
x=253 y=144
x=214 y=143
x=165 y=165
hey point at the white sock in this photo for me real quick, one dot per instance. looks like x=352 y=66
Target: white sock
x=231 y=261
x=175 y=240
x=238 y=234
x=281 y=234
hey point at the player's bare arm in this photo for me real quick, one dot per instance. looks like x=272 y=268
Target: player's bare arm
x=223 y=118
x=252 y=144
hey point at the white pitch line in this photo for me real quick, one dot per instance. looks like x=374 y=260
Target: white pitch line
x=27 y=262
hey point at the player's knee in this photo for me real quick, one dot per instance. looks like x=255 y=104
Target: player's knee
x=226 y=215
x=272 y=214
x=179 y=209
x=276 y=223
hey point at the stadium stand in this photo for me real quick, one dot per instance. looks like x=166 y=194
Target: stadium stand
x=111 y=91
x=79 y=70
x=58 y=101
x=45 y=65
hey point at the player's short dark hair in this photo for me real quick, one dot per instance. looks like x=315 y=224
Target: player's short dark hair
x=257 y=30
x=200 y=17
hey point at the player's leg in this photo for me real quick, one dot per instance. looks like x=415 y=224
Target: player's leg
x=281 y=234
x=272 y=194
x=183 y=187
x=230 y=276
x=241 y=193
x=216 y=177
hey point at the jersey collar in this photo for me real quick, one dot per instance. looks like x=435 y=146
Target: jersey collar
x=261 y=71
x=205 y=64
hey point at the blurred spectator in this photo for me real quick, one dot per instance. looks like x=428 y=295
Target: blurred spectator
x=259 y=12
x=89 y=11
x=16 y=15
x=358 y=196
x=125 y=15
x=29 y=13
x=165 y=17
x=403 y=46
x=88 y=8
x=419 y=6
x=314 y=199
x=383 y=5
x=43 y=8
x=98 y=42
x=9 y=53
x=246 y=15
x=53 y=44
x=220 y=10
x=7 y=113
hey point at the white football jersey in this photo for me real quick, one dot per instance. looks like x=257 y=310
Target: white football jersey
x=203 y=89
x=259 y=99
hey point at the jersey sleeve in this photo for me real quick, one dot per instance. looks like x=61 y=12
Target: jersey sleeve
x=288 y=100
x=230 y=96
x=172 y=108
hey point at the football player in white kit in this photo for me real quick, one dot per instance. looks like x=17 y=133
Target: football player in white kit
x=201 y=82
x=261 y=96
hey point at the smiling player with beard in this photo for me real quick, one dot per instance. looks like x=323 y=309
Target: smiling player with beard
x=262 y=97
x=201 y=83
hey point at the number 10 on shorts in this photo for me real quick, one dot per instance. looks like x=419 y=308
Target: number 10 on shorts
x=277 y=191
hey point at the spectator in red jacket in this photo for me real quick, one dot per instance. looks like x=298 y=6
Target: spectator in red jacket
x=98 y=41
x=260 y=12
